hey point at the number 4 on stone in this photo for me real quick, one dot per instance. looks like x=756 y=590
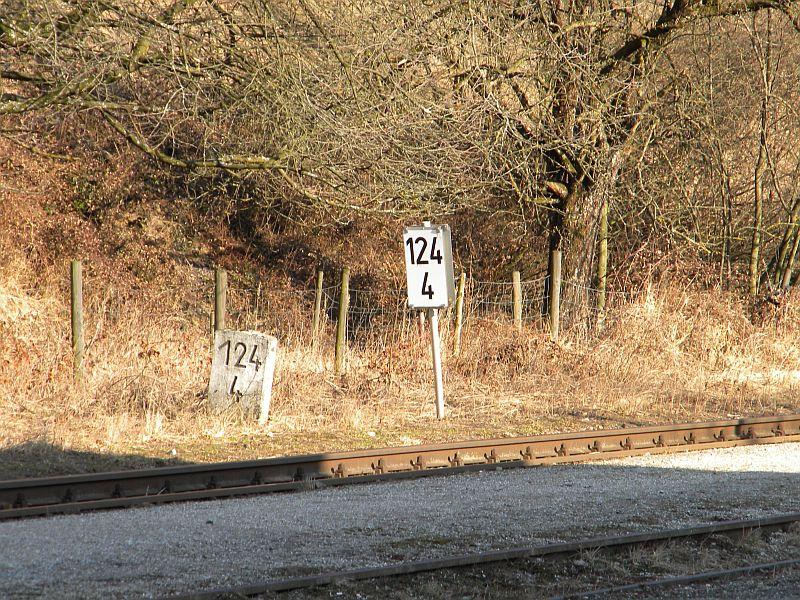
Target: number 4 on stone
x=254 y=358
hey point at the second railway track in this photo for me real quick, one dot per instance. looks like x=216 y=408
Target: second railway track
x=547 y=551
x=94 y=491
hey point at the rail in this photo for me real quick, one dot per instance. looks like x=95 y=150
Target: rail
x=77 y=493
x=548 y=551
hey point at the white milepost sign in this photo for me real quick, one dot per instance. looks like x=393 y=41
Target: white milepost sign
x=242 y=371
x=431 y=285
x=429 y=266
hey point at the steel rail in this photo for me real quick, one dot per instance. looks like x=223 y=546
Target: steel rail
x=75 y=493
x=557 y=550
x=683 y=579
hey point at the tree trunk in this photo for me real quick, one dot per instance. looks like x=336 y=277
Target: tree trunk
x=602 y=262
x=758 y=199
x=782 y=260
x=764 y=50
x=786 y=280
x=574 y=227
x=727 y=222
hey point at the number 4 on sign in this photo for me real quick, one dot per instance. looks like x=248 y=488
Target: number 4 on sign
x=427 y=288
x=435 y=253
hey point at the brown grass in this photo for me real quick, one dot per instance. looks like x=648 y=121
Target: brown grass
x=668 y=353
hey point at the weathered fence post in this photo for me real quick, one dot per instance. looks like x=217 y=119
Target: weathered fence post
x=555 y=294
x=211 y=329
x=459 y=314
x=517 y=299
x=421 y=323
x=220 y=298
x=317 y=309
x=341 y=323
x=76 y=288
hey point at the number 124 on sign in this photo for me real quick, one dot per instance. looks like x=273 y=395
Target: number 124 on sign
x=429 y=266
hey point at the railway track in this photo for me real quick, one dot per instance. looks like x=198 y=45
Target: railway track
x=683 y=580
x=549 y=551
x=94 y=491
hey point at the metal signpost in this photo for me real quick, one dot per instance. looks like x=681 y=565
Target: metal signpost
x=431 y=285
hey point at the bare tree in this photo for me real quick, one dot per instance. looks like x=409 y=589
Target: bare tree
x=531 y=109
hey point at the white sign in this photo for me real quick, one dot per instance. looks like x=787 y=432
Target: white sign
x=429 y=266
x=242 y=371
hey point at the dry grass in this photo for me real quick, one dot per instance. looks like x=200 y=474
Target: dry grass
x=668 y=355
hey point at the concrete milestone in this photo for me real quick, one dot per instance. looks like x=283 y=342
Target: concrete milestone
x=242 y=371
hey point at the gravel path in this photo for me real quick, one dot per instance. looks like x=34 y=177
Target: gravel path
x=167 y=549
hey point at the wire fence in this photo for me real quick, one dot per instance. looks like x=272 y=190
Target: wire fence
x=383 y=315
x=376 y=319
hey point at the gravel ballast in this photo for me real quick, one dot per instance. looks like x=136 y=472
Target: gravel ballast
x=175 y=548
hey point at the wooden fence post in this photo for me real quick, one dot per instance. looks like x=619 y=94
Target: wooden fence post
x=220 y=298
x=76 y=288
x=211 y=329
x=317 y=309
x=555 y=294
x=459 y=314
x=341 y=323
x=517 y=298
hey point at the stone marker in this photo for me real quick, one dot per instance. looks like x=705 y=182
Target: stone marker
x=242 y=372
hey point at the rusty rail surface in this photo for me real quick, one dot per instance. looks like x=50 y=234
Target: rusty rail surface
x=547 y=551
x=76 y=493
